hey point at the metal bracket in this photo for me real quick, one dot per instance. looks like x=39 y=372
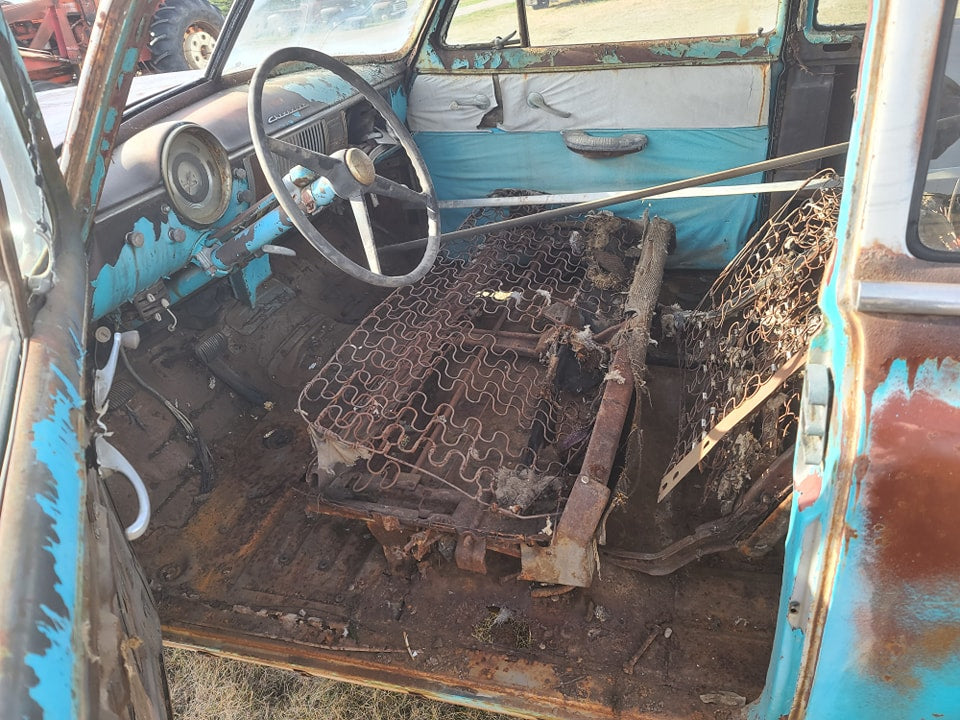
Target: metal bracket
x=729 y=421
x=814 y=412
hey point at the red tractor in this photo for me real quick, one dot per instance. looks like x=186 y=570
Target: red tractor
x=53 y=35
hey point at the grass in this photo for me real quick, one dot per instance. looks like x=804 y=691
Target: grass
x=222 y=5
x=205 y=687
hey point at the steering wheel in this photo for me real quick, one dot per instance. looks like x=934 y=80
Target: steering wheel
x=351 y=174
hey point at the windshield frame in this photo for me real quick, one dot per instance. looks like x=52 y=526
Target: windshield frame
x=239 y=12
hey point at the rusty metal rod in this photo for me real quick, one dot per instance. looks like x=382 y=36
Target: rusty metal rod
x=630 y=664
x=646 y=193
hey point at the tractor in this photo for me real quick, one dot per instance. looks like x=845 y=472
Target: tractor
x=53 y=36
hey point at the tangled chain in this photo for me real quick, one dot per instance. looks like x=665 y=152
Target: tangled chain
x=760 y=312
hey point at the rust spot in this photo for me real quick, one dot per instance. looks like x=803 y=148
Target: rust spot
x=911 y=488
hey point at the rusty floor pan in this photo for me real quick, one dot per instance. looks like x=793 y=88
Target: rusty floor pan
x=247 y=570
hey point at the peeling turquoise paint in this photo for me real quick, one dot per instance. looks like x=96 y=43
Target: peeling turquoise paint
x=78 y=347
x=398 y=103
x=137 y=268
x=714 y=48
x=55 y=444
x=862 y=670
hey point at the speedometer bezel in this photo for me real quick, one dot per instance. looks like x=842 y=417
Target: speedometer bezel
x=213 y=159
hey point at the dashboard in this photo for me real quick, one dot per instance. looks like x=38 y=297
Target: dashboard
x=185 y=177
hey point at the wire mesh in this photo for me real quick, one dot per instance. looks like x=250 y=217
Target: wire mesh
x=760 y=312
x=474 y=390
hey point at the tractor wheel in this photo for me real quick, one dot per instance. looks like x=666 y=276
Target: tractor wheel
x=183 y=34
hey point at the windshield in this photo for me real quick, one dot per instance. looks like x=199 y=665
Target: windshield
x=336 y=27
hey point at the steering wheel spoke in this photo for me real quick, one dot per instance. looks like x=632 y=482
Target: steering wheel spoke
x=317 y=162
x=362 y=217
x=398 y=191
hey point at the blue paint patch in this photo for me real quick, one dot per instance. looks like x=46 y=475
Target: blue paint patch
x=398 y=103
x=78 y=347
x=710 y=231
x=137 y=268
x=57 y=448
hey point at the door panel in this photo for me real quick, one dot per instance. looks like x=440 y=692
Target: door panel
x=704 y=106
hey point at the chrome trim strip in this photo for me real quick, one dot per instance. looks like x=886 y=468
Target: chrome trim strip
x=909 y=298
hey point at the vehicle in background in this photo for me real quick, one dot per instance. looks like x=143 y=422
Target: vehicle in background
x=543 y=363
x=54 y=34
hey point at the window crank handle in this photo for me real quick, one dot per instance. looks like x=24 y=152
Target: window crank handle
x=535 y=100
x=478 y=101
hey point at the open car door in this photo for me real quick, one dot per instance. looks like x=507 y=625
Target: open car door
x=79 y=629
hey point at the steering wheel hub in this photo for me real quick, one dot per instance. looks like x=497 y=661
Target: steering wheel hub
x=360 y=166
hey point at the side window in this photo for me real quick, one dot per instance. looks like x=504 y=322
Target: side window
x=839 y=13
x=479 y=22
x=579 y=22
x=935 y=219
x=27 y=211
x=572 y=22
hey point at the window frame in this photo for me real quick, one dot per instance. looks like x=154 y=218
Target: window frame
x=748 y=48
x=915 y=245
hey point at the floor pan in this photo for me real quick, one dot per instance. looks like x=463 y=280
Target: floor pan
x=250 y=569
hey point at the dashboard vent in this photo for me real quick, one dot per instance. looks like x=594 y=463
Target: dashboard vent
x=310 y=137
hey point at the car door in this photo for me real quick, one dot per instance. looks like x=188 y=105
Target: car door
x=868 y=623
x=80 y=632
x=573 y=97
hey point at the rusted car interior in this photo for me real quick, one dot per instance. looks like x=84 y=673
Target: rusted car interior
x=547 y=468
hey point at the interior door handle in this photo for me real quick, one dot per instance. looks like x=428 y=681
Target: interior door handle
x=535 y=100
x=599 y=146
x=478 y=101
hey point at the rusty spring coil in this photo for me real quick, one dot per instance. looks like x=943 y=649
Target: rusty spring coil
x=761 y=311
x=453 y=381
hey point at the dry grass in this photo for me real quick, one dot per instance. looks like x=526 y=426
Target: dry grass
x=204 y=687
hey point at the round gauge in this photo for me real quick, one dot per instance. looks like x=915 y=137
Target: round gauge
x=196 y=171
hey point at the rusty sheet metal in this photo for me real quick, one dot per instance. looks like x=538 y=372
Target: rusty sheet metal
x=893 y=616
x=42 y=523
x=520 y=687
x=121 y=29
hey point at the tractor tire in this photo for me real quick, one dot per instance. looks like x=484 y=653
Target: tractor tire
x=183 y=34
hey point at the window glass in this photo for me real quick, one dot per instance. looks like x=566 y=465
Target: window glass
x=28 y=214
x=832 y=13
x=480 y=22
x=574 y=22
x=578 y=22
x=938 y=218
x=337 y=27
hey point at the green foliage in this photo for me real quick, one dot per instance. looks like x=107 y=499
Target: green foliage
x=222 y=5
